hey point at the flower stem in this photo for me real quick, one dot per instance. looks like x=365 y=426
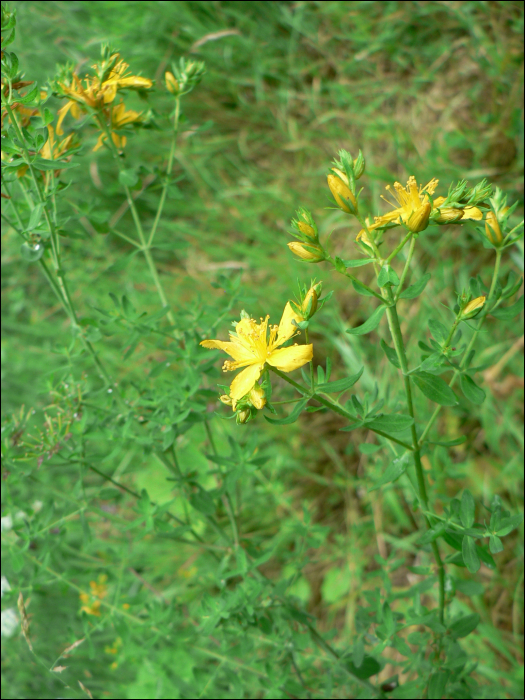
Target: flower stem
x=466 y=354
x=407 y=266
x=399 y=247
x=397 y=337
x=311 y=363
x=336 y=408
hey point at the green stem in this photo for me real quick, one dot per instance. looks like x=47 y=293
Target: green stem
x=397 y=337
x=145 y=247
x=407 y=266
x=335 y=407
x=399 y=248
x=352 y=277
x=227 y=499
x=466 y=354
x=311 y=363
x=168 y=172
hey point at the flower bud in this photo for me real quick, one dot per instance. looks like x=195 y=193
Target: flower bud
x=448 y=215
x=473 y=308
x=363 y=237
x=306 y=229
x=257 y=397
x=492 y=229
x=172 y=84
x=472 y=213
x=309 y=305
x=359 y=166
x=226 y=399
x=418 y=220
x=243 y=416
x=342 y=194
x=307 y=252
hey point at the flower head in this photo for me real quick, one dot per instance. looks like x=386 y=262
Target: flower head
x=253 y=345
x=119 y=118
x=412 y=206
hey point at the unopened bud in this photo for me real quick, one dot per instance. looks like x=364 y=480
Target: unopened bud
x=309 y=305
x=226 y=399
x=472 y=213
x=418 y=220
x=243 y=416
x=307 y=252
x=257 y=397
x=472 y=308
x=342 y=194
x=363 y=237
x=492 y=229
x=306 y=229
x=172 y=84
x=359 y=166
x=448 y=215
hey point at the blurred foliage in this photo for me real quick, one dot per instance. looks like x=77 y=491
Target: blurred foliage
x=430 y=88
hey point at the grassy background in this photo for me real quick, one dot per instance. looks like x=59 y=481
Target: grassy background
x=426 y=88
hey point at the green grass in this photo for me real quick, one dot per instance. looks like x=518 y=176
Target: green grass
x=431 y=89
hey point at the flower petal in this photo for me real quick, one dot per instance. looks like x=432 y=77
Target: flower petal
x=235 y=350
x=288 y=359
x=472 y=213
x=244 y=381
x=286 y=327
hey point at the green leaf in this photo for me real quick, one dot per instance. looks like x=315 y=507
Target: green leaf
x=391 y=354
x=371 y=324
x=507 y=525
x=486 y=558
x=44 y=164
x=369 y=667
x=468 y=509
x=415 y=289
x=128 y=178
x=368 y=448
x=360 y=288
x=203 y=502
x=471 y=390
x=495 y=544
x=35 y=217
x=383 y=277
x=357 y=263
x=509 y=312
x=438 y=330
x=464 y=626
x=449 y=443
x=30 y=97
x=340 y=384
x=393 y=471
x=437 y=685
x=433 y=534
x=294 y=415
x=435 y=388
x=469 y=588
x=391 y=423
x=433 y=361
x=470 y=554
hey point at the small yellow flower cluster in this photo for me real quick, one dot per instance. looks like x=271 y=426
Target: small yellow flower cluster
x=98 y=93
x=92 y=600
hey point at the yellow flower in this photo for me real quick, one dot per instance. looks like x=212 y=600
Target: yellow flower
x=251 y=348
x=342 y=194
x=309 y=253
x=119 y=118
x=52 y=149
x=257 y=397
x=414 y=205
x=306 y=229
x=473 y=307
x=91 y=600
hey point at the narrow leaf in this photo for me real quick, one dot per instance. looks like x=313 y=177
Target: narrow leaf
x=470 y=554
x=471 y=390
x=415 y=289
x=438 y=330
x=392 y=423
x=437 y=685
x=507 y=525
x=449 y=443
x=464 y=626
x=435 y=388
x=371 y=324
x=360 y=288
x=294 y=415
x=509 y=312
x=357 y=263
x=368 y=668
x=393 y=471
x=391 y=354
x=468 y=508
x=340 y=384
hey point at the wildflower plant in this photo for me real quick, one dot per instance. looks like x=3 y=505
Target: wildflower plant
x=177 y=573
